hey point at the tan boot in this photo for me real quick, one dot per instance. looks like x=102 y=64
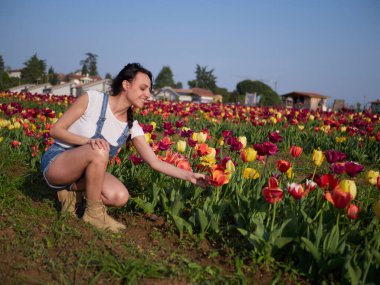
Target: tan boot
x=96 y=215
x=67 y=200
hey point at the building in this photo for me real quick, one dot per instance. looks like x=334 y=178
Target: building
x=103 y=85
x=305 y=100
x=15 y=73
x=198 y=95
x=375 y=106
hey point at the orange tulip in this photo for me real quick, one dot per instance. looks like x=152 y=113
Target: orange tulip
x=218 y=176
x=249 y=154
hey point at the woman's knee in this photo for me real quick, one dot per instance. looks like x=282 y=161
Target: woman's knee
x=121 y=198
x=99 y=155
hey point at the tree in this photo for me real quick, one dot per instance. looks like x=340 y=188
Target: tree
x=268 y=97
x=52 y=76
x=204 y=79
x=164 y=78
x=179 y=85
x=91 y=63
x=84 y=71
x=108 y=76
x=1 y=71
x=34 y=70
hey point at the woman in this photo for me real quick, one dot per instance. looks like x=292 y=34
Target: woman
x=88 y=134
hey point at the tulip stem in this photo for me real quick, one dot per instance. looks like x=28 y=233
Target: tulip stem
x=274 y=215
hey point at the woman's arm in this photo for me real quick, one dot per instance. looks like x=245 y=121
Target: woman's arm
x=147 y=154
x=73 y=113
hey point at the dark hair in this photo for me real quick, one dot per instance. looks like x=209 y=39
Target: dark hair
x=129 y=73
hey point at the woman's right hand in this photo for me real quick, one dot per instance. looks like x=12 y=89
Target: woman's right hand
x=99 y=143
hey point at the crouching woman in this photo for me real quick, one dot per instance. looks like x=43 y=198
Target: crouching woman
x=88 y=134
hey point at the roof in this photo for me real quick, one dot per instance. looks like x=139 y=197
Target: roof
x=376 y=102
x=305 y=94
x=196 y=91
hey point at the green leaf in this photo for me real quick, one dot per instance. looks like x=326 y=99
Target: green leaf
x=311 y=247
x=147 y=207
x=202 y=219
x=354 y=271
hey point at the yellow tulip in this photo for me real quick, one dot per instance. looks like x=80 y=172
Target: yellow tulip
x=348 y=186
x=148 y=137
x=371 y=177
x=289 y=173
x=377 y=210
x=201 y=137
x=11 y=127
x=243 y=140
x=318 y=157
x=311 y=118
x=221 y=141
x=181 y=146
x=17 y=125
x=250 y=173
x=249 y=154
x=301 y=127
x=212 y=153
x=207 y=160
x=1 y=139
x=154 y=125
x=230 y=166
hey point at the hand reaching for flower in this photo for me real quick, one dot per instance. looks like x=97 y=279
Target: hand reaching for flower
x=199 y=179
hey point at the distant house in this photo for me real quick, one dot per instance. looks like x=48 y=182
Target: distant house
x=305 y=100
x=99 y=85
x=62 y=89
x=375 y=106
x=197 y=94
x=40 y=88
x=15 y=73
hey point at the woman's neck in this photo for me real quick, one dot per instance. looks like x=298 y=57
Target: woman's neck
x=119 y=106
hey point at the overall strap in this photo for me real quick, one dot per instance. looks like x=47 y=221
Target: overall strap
x=102 y=117
x=123 y=138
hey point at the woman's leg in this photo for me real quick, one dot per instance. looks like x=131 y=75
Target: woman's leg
x=72 y=164
x=114 y=193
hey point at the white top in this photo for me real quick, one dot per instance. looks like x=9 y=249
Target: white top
x=112 y=128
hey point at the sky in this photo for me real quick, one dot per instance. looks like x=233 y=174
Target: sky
x=330 y=47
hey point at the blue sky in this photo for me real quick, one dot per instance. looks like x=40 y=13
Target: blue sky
x=331 y=47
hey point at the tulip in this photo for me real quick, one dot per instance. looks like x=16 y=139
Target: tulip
x=318 y=157
x=348 y=186
x=148 y=137
x=272 y=193
x=207 y=160
x=295 y=151
x=1 y=139
x=327 y=180
x=154 y=125
x=338 y=198
x=202 y=149
x=283 y=165
x=15 y=144
x=353 y=168
x=296 y=190
x=201 y=137
x=338 y=168
x=136 y=160
x=310 y=185
x=275 y=137
x=250 y=173
x=333 y=156
x=266 y=148
x=184 y=164
x=249 y=154
x=372 y=177
x=230 y=166
x=165 y=143
x=353 y=211
x=181 y=146
x=289 y=173
x=377 y=209
x=243 y=141
x=218 y=176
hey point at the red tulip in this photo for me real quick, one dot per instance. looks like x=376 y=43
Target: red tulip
x=338 y=198
x=272 y=193
x=266 y=148
x=326 y=180
x=296 y=190
x=283 y=165
x=136 y=160
x=310 y=185
x=275 y=137
x=164 y=144
x=353 y=211
x=295 y=151
x=333 y=156
x=338 y=168
x=353 y=168
x=15 y=144
x=218 y=176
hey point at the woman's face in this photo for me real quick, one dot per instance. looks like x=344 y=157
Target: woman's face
x=139 y=90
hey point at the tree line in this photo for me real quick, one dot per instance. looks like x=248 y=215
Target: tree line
x=34 y=72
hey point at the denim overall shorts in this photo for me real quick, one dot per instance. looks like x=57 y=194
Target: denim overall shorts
x=52 y=153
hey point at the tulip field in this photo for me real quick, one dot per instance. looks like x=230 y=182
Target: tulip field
x=295 y=188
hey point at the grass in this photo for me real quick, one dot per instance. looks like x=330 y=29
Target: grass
x=40 y=246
